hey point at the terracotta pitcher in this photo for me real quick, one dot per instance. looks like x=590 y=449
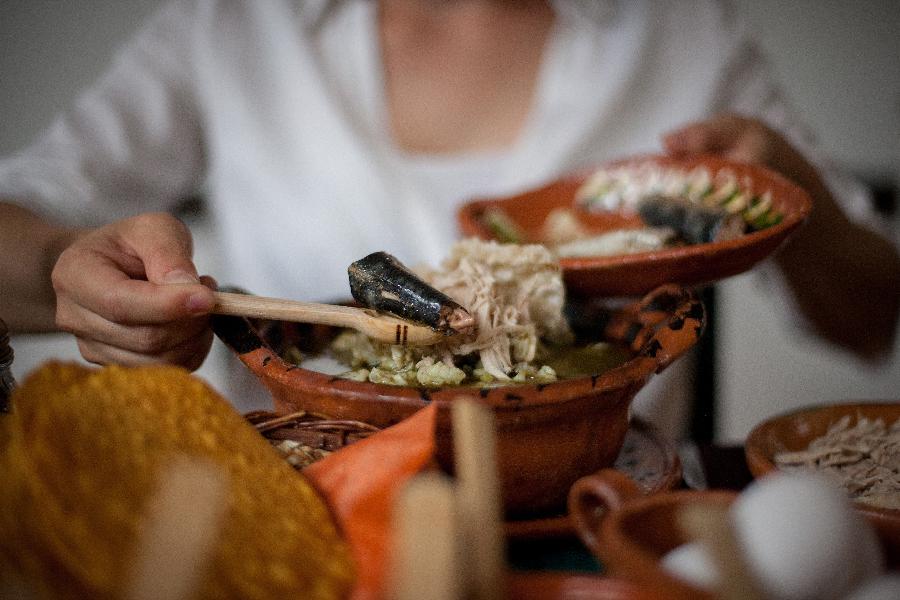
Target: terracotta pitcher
x=630 y=532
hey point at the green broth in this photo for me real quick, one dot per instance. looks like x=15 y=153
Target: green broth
x=578 y=361
x=567 y=361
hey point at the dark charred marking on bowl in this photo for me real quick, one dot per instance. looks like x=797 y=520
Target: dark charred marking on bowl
x=483 y=392
x=266 y=360
x=594 y=379
x=397 y=334
x=405 y=332
x=540 y=387
x=676 y=324
x=696 y=311
x=652 y=349
x=633 y=330
x=510 y=397
x=425 y=394
x=236 y=333
x=661 y=303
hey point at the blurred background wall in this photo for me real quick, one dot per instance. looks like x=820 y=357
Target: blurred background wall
x=838 y=62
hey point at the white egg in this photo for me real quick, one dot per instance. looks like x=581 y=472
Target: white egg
x=802 y=538
x=691 y=563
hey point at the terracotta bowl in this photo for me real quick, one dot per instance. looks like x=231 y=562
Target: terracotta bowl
x=795 y=430
x=547 y=434
x=630 y=532
x=574 y=586
x=636 y=274
x=647 y=457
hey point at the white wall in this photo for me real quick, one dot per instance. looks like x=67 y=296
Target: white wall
x=840 y=64
x=838 y=61
x=49 y=50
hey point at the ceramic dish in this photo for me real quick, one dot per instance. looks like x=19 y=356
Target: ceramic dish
x=630 y=533
x=548 y=435
x=647 y=458
x=637 y=274
x=795 y=430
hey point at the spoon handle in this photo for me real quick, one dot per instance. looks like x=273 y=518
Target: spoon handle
x=381 y=327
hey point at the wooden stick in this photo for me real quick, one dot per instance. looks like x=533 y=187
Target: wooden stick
x=180 y=532
x=425 y=558
x=478 y=497
x=711 y=526
x=379 y=326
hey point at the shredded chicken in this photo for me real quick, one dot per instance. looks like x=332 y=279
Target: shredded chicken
x=864 y=458
x=516 y=294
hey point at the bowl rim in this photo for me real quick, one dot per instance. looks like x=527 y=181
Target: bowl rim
x=646 y=360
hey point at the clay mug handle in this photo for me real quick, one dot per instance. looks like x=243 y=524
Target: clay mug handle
x=594 y=496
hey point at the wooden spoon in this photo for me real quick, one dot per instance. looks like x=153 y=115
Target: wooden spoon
x=381 y=327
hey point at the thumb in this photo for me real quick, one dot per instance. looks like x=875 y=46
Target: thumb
x=713 y=136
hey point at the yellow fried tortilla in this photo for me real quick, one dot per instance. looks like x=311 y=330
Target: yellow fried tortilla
x=85 y=453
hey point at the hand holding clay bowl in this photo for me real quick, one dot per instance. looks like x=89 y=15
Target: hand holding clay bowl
x=529 y=218
x=549 y=434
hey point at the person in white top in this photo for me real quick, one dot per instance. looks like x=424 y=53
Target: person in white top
x=322 y=130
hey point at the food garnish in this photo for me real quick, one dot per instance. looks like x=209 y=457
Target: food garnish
x=626 y=188
x=504 y=229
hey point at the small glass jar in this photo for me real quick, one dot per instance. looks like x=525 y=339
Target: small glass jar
x=7 y=382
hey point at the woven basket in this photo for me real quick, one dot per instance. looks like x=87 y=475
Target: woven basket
x=309 y=436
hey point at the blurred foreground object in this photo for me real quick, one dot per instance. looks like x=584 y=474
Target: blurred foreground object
x=86 y=454
x=447 y=540
x=7 y=383
x=361 y=484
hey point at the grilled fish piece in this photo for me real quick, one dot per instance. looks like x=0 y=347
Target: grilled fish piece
x=695 y=224
x=383 y=283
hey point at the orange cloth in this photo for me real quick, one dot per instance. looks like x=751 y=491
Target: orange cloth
x=360 y=484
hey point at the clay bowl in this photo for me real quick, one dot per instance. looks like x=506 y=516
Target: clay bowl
x=795 y=430
x=574 y=586
x=630 y=532
x=547 y=435
x=636 y=274
x=648 y=457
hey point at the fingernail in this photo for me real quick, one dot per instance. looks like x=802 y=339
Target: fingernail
x=200 y=303
x=209 y=282
x=179 y=276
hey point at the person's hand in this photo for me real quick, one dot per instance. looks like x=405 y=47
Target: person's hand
x=130 y=293
x=732 y=137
